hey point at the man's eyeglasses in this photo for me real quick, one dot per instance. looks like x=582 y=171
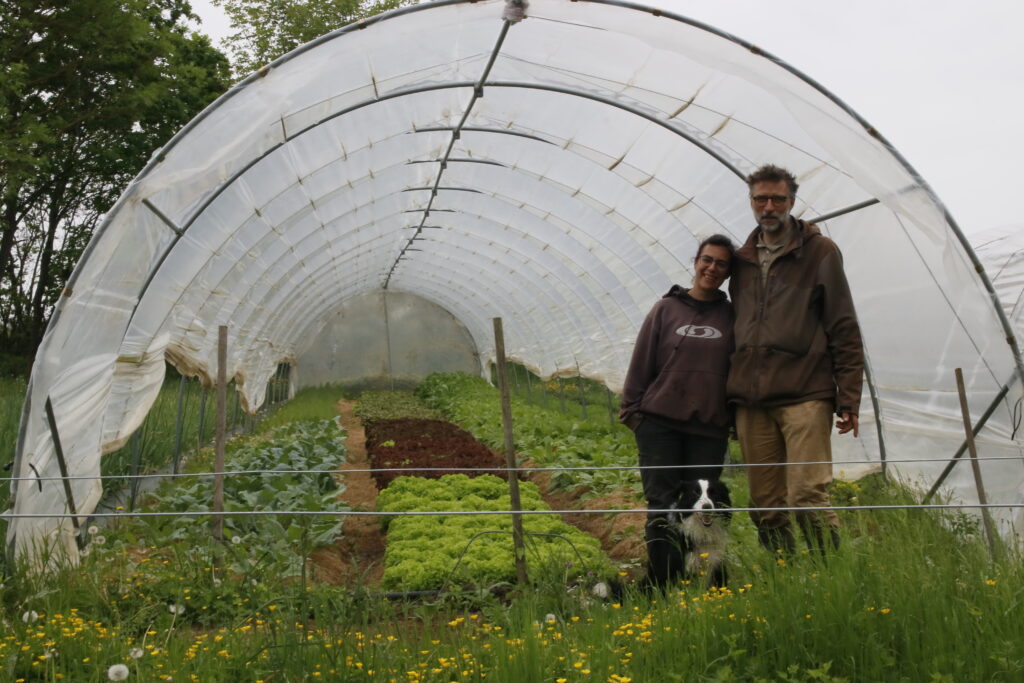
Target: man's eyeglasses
x=776 y=199
x=707 y=261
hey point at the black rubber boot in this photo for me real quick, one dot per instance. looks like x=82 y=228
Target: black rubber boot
x=821 y=540
x=777 y=539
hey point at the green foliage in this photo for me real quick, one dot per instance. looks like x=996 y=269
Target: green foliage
x=910 y=596
x=309 y=445
x=311 y=403
x=546 y=436
x=12 y=394
x=267 y=29
x=155 y=444
x=88 y=89
x=392 y=405
x=424 y=551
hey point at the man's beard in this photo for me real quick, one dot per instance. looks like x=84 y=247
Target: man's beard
x=776 y=226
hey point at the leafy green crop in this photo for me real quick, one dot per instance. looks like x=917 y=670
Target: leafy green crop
x=547 y=437
x=310 y=445
x=423 y=551
x=392 y=405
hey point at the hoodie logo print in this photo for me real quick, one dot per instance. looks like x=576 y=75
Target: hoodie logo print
x=699 y=332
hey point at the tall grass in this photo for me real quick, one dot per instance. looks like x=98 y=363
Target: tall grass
x=907 y=598
x=911 y=595
x=310 y=403
x=12 y=394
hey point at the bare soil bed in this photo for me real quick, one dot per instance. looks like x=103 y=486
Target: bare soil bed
x=405 y=446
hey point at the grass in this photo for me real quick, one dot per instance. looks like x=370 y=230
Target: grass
x=12 y=395
x=911 y=596
x=906 y=599
x=311 y=403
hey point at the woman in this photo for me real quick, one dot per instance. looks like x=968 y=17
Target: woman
x=674 y=395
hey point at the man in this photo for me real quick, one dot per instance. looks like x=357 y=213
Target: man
x=798 y=359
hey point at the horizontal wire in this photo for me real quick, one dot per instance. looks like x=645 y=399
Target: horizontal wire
x=458 y=513
x=575 y=468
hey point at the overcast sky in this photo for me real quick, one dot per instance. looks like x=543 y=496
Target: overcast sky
x=942 y=80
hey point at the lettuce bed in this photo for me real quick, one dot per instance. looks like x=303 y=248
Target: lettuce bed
x=423 y=551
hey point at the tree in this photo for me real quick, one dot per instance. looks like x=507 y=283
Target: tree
x=88 y=90
x=267 y=29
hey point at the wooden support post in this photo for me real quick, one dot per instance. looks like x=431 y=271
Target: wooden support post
x=582 y=393
x=133 y=486
x=221 y=436
x=990 y=530
x=63 y=465
x=179 y=423
x=519 y=548
x=201 y=432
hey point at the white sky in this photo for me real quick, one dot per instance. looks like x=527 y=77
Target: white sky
x=942 y=80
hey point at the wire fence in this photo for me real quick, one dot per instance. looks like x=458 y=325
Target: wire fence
x=480 y=470
x=475 y=470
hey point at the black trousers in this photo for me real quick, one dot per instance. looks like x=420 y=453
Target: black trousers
x=689 y=457
x=693 y=457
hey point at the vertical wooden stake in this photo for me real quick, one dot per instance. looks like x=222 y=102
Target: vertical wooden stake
x=219 y=439
x=990 y=531
x=179 y=423
x=519 y=549
x=64 y=476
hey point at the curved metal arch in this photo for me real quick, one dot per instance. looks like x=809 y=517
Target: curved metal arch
x=469 y=287
x=615 y=3
x=412 y=91
x=342 y=236
x=314 y=202
x=482 y=282
x=521 y=258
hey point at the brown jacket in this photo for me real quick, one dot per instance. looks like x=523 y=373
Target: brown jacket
x=797 y=337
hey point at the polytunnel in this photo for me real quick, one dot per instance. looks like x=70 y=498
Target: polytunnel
x=1001 y=252
x=556 y=172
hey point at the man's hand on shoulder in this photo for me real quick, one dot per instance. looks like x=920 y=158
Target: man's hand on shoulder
x=848 y=421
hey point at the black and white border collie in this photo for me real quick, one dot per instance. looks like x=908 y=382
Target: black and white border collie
x=700 y=516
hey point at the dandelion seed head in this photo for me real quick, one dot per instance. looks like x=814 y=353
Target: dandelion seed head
x=93 y=530
x=136 y=652
x=30 y=617
x=117 y=672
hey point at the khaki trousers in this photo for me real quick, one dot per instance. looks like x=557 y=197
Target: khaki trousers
x=798 y=433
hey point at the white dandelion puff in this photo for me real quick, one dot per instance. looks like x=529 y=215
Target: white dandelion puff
x=236 y=539
x=117 y=672
x=93 y=530
x=136 y=652
x=99 y=540
x=176 y=609
x=30 y=617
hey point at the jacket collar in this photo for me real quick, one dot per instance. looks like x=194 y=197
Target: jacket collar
x=803 y=232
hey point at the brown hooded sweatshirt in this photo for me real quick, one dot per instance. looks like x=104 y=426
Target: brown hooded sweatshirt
x=797 y=337
x=679 y=365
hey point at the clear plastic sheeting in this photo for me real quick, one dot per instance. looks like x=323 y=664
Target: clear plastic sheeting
x=1001 y=251
x=557 y=172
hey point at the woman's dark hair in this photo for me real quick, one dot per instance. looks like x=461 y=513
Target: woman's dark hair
x=717 y=240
